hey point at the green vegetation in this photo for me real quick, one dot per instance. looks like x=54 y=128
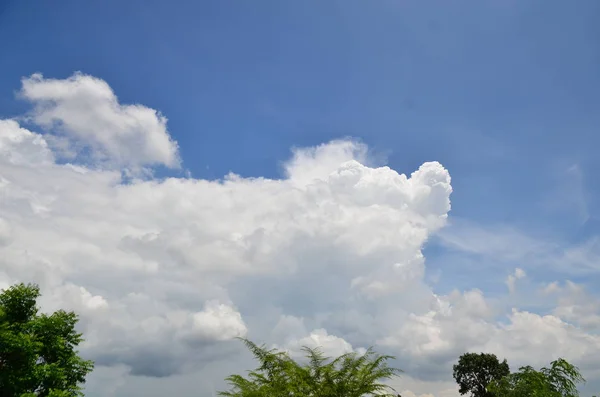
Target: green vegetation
x=38 y=354
x=349 y=375
x=474 y=372
x=560 y=380
x=38 y=358
x=482 y=375
x=353 y=375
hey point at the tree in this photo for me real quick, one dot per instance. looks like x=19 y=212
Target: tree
x=38 y=355
x=349 y=375
x=560 y=380
x=474 y=372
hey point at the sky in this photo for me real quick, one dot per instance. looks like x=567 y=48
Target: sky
x=417 y=176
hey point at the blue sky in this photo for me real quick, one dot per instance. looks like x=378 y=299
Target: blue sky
x=505 y=94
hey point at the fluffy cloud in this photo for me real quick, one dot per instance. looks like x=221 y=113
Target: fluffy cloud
x=465 y=322
x=330 y=345
x=20 y=146
x=151 y=265
x=576 y=305
x=86 y=112
x=217 y=322
x=165 y=273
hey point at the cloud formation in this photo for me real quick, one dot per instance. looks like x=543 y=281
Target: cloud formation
x=165 y=273
x=86 y=112
x=149 y=264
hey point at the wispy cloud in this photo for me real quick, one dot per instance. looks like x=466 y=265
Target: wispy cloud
x=504 y=244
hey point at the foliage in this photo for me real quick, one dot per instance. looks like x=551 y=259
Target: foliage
x=474 y=372
x=560 y=380
x=38 y=354
x=349 y=375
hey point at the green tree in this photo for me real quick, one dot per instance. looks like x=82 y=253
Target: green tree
x=560 y=380
x=349 y=375
x=474 y=372
x=38 y=355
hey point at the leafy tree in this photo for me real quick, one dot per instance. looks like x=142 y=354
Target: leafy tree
x=38 y=356
x=349 y=375
x=560 y=380
x=474 y=372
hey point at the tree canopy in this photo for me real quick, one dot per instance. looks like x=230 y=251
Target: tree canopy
x=278 y=375
x=38 y=355
x=560 y=380
x=474 y=372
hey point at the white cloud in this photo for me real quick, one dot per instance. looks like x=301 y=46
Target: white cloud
x=512 y=279
x=310 y=164
x=137 y=260
x=453 y=324
x=330 y=345
x=20 y=146
x=218 y=322
x=86 y=111
x=465 y=323
x=551 y=288
x=164 y=273
x=78 y=298
x=576 y=305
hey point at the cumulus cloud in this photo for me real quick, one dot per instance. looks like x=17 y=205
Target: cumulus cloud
x=311 y=164
x=217 y=322
x=576 y=305
x=329 y=345
x=86 y=111
x=464 y=322
x=165 y=273
x=147 y=264
x=20 y=146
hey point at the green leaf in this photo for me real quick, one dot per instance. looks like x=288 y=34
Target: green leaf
x=38 y=352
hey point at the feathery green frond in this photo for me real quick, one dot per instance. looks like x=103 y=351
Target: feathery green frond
x=278 y=375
